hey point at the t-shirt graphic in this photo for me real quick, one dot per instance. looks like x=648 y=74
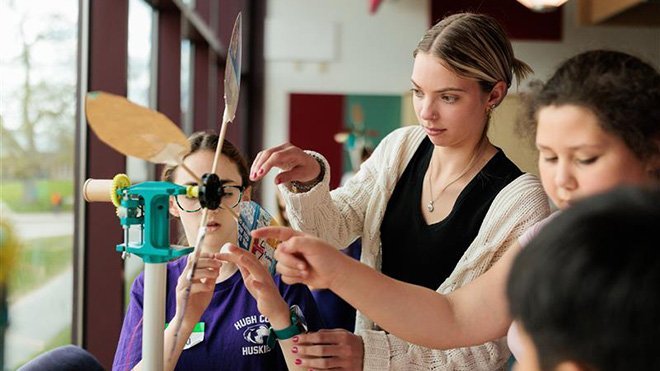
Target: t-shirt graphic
x=255 y=332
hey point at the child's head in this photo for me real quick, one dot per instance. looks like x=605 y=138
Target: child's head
x=234 y=176
x=597 y=125
x=585 y=290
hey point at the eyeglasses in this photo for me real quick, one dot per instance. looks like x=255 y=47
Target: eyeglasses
x=231 y=197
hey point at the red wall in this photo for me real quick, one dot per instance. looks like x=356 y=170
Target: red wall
x=314 y=128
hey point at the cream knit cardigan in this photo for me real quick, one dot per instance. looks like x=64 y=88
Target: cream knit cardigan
x=357 y=209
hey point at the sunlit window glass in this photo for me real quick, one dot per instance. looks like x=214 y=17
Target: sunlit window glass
x=186 y=86
x=139 y=84
x=37 y=117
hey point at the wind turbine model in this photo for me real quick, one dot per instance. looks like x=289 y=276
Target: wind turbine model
x=143 y=133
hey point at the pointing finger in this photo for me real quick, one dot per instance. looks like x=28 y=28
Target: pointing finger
x=278 y=233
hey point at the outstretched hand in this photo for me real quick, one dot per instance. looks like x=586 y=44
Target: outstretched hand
x=335 y=349
x=201 y=289
x=294 y=162
x=302 y=258
x=259 y=283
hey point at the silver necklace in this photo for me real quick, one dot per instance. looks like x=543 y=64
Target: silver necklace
x=430 y=207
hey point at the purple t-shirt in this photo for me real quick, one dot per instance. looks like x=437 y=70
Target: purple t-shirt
x=335 y=312
x=235 y=332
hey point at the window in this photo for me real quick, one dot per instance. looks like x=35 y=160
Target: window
x=38 y=69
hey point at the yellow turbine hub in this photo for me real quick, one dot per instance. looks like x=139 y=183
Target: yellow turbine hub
x=118 y=182
x=192 y=191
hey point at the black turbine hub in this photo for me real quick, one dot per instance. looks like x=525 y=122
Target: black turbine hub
x=210 y=191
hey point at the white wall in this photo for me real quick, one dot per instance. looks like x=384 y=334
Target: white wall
x=374 y=54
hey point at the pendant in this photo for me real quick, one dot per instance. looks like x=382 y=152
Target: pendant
x=430 y=207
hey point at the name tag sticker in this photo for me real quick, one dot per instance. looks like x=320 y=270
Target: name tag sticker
x=196 y=337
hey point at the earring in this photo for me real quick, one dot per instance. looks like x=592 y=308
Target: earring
x=490 y=109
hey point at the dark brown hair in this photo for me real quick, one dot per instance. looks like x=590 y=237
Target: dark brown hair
x=620 y=89
x=209 y=141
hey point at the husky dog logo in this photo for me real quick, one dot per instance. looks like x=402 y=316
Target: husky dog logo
x=256 y=334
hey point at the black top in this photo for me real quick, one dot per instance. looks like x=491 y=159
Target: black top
x=423 y=254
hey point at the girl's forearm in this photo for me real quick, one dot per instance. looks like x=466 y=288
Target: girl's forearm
x=471 y=315
x=171 y=353
x=174 y=343
x=279 y=320
x=396 y=306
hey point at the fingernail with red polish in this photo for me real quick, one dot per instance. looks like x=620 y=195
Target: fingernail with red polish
x=298 y=361
x=295 y=339
x=294 y=349
x=261 y=171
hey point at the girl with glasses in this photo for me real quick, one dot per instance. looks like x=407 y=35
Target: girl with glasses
x=223 y=327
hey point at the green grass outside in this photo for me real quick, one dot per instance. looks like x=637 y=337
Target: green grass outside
x=38 y=261
x=12 y=194
x=62 y=338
